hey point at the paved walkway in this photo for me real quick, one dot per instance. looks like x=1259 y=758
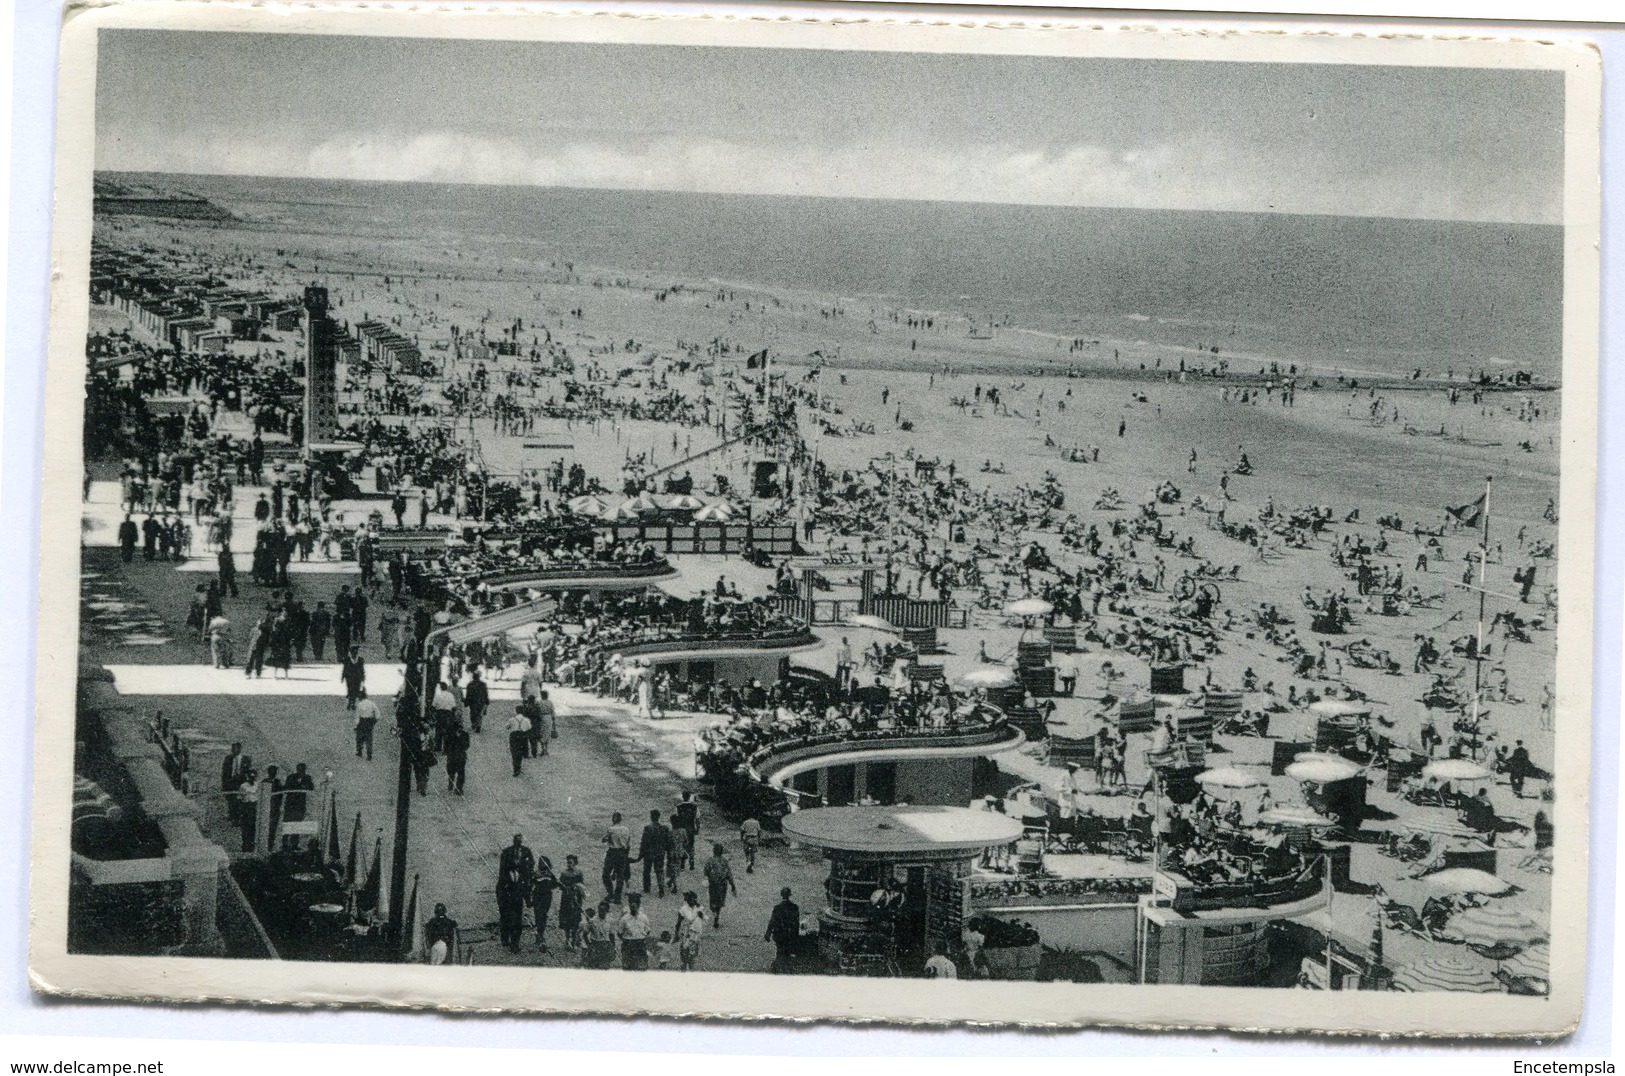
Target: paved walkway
x=606 y=759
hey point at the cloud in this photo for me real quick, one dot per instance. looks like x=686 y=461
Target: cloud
x=1198 y=173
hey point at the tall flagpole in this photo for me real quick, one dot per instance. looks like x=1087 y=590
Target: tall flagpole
x=1483 y=564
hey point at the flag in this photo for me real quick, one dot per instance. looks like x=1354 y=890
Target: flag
x=757 y=361
x=372 y=888
x=1470 y=514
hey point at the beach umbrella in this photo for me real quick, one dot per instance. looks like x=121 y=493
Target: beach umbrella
x=1338 y=708
x=1228 y=777
x=643 y=503
x=1446 y=973
x=330 y=832
x=719 y=511
x=1492 y=927
x=1534 y=962
x=991 y=676
x=682 y=502
x=1029 y=607
x=355 y=850
x=620 y=511
x=1455 y=769
x=372 y=889
x=1467 y=880
x=1289 y=815
x=587 y=505
x=869 y=620
x=1322 y=770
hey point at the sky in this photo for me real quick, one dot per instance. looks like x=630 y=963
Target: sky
x=1432 y=143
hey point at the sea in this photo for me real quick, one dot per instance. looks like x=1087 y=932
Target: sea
x=1370 y=293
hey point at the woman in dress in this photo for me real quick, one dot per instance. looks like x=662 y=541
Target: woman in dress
x=280 y=649
x=572 y=897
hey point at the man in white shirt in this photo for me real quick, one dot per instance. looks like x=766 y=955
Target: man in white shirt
x=442 y=708
x=518 y=740
x=1066 y=667
x=939 y=966
x=366 y=719
x=634 y=930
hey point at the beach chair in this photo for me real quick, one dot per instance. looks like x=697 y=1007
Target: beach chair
x=1403 y=918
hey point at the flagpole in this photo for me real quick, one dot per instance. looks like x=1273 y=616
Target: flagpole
x=1483 y=565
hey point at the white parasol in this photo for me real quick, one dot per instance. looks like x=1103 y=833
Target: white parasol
x=991 y=676
x=1455 y=769
x=1229 y=777
x=1322 y=770
x=869 y=620
x=1467 y=880
x=1029 y=607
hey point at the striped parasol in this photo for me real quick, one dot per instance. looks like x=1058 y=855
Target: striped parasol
x=1290 y=815
x=1446 y=973
x=587 y=505
x=719 y=511
x=1534 y=962
x=1491 y=927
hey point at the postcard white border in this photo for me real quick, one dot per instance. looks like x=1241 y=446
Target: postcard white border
x=740 y=996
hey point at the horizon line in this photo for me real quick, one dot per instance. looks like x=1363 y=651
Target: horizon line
x=840 y=198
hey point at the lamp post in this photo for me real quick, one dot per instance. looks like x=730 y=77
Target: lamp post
x=410 y=746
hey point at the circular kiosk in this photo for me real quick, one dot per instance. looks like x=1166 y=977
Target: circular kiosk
x=897 y=878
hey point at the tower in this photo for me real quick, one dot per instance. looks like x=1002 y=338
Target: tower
x=321 y=361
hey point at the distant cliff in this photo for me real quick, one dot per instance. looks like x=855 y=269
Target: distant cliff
x=122 y=198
